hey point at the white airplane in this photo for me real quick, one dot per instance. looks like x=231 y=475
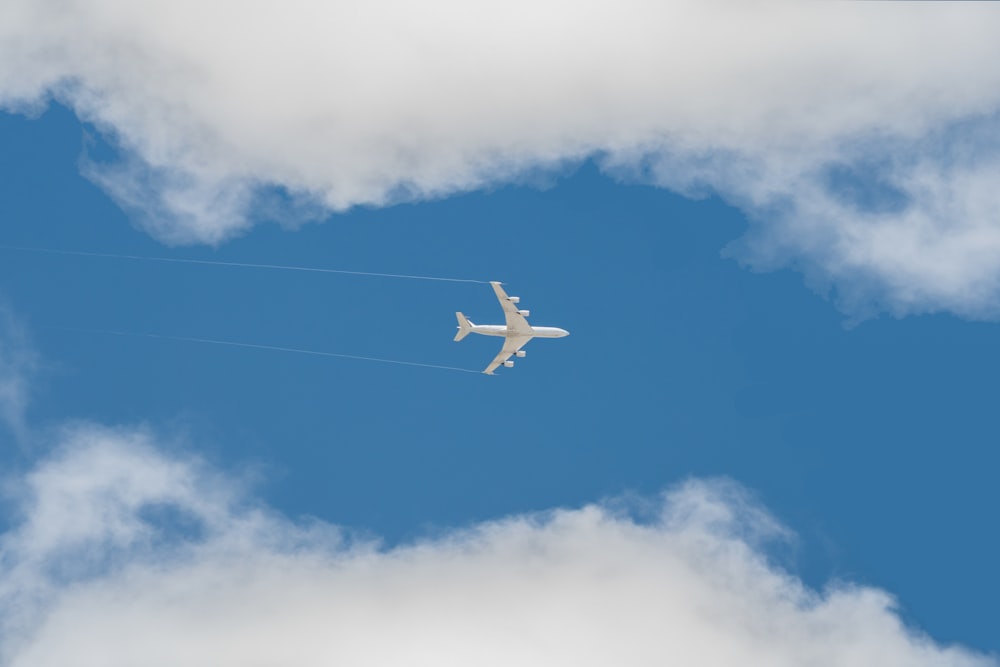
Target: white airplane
x=517 y=331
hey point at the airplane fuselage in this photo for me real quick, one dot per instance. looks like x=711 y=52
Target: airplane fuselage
x=502 y=330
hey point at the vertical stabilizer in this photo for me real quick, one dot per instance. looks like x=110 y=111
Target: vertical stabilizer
x=464 y=326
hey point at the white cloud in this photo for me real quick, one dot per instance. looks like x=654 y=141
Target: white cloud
x=18 y=364
x=215 y=105
x=126 y=556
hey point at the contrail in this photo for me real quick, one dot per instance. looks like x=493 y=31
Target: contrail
x=246 y=265
x=256 y=346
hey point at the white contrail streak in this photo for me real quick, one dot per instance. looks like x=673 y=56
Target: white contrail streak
x=188 y=339
x=246 y=265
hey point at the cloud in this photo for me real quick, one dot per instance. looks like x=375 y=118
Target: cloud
x=124 y=555
x=18 y=363
x=887 y=224
x=860 y=138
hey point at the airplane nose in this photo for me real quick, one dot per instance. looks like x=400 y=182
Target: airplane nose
x=563 y=333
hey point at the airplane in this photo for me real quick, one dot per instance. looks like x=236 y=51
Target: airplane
x=517 y=332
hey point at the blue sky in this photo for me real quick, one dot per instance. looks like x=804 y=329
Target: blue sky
x=713 y=338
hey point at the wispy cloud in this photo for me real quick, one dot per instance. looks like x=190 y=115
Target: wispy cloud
x=124 y=555
x=18 y=363
x=774 y=105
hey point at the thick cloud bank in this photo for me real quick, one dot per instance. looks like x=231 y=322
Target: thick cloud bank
x=122 y=555
x=862 y=138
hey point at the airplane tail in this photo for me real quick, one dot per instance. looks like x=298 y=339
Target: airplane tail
x=464 y=327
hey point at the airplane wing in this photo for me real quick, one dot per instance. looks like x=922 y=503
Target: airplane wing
x=511 y=344
x=515 y=320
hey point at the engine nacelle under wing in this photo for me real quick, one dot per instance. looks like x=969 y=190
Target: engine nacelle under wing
x=514 y=299
x=508 y=364
x=524 y=313
x=521 y=354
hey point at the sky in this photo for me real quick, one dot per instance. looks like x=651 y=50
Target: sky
x=771 y=229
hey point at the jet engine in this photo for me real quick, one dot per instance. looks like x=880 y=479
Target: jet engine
x=508 y=364
x=521 y=353
x=524 y=313
x=514 y=299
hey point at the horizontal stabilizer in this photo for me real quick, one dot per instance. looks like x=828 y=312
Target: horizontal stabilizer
x=464 y=327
